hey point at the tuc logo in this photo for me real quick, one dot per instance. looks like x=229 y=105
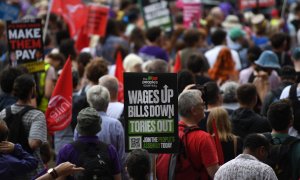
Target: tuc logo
x=60 y=109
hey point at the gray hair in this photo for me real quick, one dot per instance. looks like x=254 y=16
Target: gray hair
x=187 y=100
x=157 y=66
x=229 y=89
x=98 y=97
x=111 y=83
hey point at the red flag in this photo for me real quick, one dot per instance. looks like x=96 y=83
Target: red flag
x=97 y=20
x=73 y=12
x=177 y=65
x=119 y=67
x=218 y=143
x=59 y=111
x=119 y=75
x=82 y=41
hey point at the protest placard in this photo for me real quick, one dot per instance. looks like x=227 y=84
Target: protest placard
x=96 y=20
x=151 y=118
x=157 y=13
x=25 y=44
x=249 y=4
x=8 y=12
x=191 y=13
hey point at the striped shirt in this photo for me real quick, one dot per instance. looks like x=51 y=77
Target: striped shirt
x=35 y=123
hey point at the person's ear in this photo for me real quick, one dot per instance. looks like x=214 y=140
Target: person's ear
x=263 y=153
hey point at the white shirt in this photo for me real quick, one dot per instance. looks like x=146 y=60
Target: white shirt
x=245 y=167
x=212 y=55
x=286 y=91
x=115 y=109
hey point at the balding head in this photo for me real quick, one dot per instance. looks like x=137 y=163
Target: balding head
x=112 y=84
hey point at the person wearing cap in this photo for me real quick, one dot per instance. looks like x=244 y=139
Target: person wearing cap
x=98 y=97
x=88 y=125
x=247 y=75
x=237 y=41
x=260 y=27
x=265 y=65
x=231 y=21
x=288 y=77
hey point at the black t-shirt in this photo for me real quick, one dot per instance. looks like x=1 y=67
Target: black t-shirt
x=228 y=149
x=202 y=79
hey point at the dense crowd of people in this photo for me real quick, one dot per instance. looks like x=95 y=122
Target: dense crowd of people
x=238 y=77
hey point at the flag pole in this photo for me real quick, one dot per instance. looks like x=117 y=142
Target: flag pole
x=283 y=8
x=47 y=20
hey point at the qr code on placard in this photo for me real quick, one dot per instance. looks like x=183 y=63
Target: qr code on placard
x=135 y=142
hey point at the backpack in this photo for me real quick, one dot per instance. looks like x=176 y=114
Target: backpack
x=17 y=133
x=177 y=162
x=95 y=160
x=296 y=106
x=279 y=158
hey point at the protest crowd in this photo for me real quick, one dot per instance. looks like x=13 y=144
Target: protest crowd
x=72 y=107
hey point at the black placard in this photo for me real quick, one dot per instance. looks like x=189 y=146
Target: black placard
x=25 y=44
x=151 y=112
x=157 y=13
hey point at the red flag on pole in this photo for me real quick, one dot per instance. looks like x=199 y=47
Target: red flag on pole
x=119 y=67
x=59 y=111
x=177 y=65
x=119 y=75
x=73 y=12
x=218 y=143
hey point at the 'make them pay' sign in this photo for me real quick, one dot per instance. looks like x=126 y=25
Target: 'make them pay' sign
x=25 y=44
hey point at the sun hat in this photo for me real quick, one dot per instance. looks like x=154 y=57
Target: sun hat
x=257 y=19
x=88 y=122
x=268 y=59
x=231 y=21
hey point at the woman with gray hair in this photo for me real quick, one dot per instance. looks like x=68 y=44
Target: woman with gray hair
x=229 y=95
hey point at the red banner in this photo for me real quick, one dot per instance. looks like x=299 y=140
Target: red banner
x=97 y=20
x=249 y=4
x=73 y=12
x=59 y=111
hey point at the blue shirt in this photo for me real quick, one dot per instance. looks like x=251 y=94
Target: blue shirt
x=16 y=164
x=69 y=153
